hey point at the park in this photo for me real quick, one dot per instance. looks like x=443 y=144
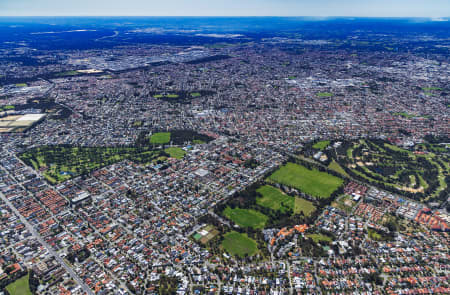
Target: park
x=246 y=217
x=239 y=244
x=312 y=182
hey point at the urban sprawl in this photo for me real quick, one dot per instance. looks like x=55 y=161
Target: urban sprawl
x=244 y=168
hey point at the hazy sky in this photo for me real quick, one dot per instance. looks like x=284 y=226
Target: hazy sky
x=401 y=8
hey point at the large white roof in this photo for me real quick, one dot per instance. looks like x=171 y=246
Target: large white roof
x=31 y=117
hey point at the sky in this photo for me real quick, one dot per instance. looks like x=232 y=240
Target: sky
x=364 y=8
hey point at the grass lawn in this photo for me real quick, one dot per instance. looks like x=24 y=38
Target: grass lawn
x=404 y=115
x=396 y=148
x=431 y=88
x=337 y=168
x=21 y=85
x=137 y=123
x=246 y=217
x=195 y=94
x=239 y=244
x=324 y=94
x=319 y=238
x=160 y=138
x=350 y=153
x=68 y=73
x=198 y=141
x=373 y=235
x=305 y=206
x=19 y=287
x=175 y=152
x=321 y=145
x=312 y=182
x=274 y=199
x=172 y=95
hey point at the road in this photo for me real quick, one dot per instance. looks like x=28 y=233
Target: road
x=219 y=218
x=47 y=246
x=291 y=289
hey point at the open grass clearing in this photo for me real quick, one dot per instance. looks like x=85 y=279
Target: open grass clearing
x=319 y=238
x=239 y=244
x=246 y=217
x=312 y=182
x=20 y=286
x=175 y=152
x=431 y=88
x=324 y=94
x=305 y=206
x=274 y=199
x=160 y=138
x=404 y=115
x=321 y=145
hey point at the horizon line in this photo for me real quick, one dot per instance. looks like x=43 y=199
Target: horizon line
x=236 y=16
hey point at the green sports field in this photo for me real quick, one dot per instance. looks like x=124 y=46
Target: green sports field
x=312 y=182
x=274 y=199
x=324 y=94
x=239 y=244
x=175 y=152
x=246 y=217
x=160 y=138
x=19 y=287
x=321 y=144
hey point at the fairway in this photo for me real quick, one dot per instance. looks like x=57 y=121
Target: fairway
x=246 y=217
x=395 y=168
x=337 y=168
x=274 y=199
x=305 y=206
x=160 y=138
x=19 y=287
x=312 y=182
x=59 y=163
x=175 y=152
x=239 y=244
